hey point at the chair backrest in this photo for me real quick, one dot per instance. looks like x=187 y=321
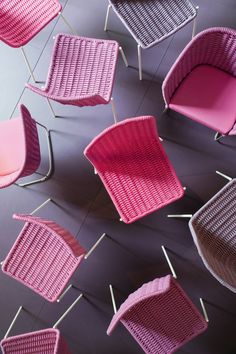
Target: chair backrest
x=213 y=229
x=214 y=46
x=44 y=257
x=47 y=341
x=132 y=136
x=160 y=316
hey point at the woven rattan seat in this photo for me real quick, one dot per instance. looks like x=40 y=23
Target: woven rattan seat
x=160 y=317
x=213 y=229
x=44 y=257
x=134 y=168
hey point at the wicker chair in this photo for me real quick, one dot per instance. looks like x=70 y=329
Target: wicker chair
x=47 y=341
x=134 y=168
x=19 y=149
x=81 y=72
x=207 y=64
x=21 y=20
x=44 y=257
x=160 y=317
x=150 y=22
x=213 y=229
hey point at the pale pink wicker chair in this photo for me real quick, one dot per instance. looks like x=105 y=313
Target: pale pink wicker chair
x=213 y=229
x=44 y=257
x=207 y=64
x=160 y=317
x=47 y=341
x=19 y=149
x=21 y=20
x=134 y=168
x=81 y=72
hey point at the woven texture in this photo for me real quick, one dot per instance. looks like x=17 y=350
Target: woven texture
x=134 y=168
x=152 y=21
x=213 y=229
x=214 y=46
x=81 y=72
x=160 y=317
x=48 y=341
x=44 y=257
x=22 y=20
x=19 y=148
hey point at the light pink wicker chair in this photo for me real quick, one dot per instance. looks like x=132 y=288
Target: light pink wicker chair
x=44 y=257
x=213 y=229
x=21 y=20
x=81 y=72
x=134 y=168
x=19 y=149
x=47 y=341
x=207 y=64
x=160 y=317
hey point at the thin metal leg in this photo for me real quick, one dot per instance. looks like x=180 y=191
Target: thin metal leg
x=224 y=176
x=28 y=64
x=121 y=220
x=169 y=262
x=52 y=110
x=195 y=23
x=179 y=215
x=165 y=109
x=68 y=24
x=40 y=206
x=95 y=171
x=204 y=310
x=107 y=16
x=139 y=62
x=67 y=311
x=94 y=246
x=13 y=321
x=124 y=57
x=113 y=110
x=218 y=136
x=113 y=299
x=65 y=292
x=184 y=188
x=161 y=140
x=49 y=173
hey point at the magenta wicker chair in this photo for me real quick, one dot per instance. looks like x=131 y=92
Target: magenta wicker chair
x=213 y=229
x=44 y=257
x=134 y=168
x=160 y=317
x=21 y=20
x=81 y=72
x=207 y=64
x=19 y=149
x=47 y=341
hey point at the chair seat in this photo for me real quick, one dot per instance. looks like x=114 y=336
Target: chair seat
x=152 y=21
x=22 y=20
x=207 y=95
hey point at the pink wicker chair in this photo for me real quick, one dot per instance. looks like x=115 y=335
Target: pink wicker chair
x=19 y=149
x=21 y=20
x=134 y=168
x=44 y=257
x=81 y=72
x=47 y=341
x=207 y=64
x=160 y=317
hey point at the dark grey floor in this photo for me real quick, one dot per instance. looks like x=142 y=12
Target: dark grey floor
x=131 y=255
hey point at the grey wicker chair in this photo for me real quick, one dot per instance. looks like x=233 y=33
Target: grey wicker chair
x=213 y=229
x=150 y=22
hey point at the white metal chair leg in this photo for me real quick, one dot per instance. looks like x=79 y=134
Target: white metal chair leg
x=49 y=173
x=65 y=292
x=67 y=23
x=67 y=311
x=107 y=16
x=204 y=310
x=28 y=64
x=179 y=215
x=113 y=109
x=165 y=109
x=51 y=109
x=139 y=62
x=95 y=171
x=169 y=262
x=218 y=136
x=13 y=321
x=94 y=246
x=113 y=299
x=41 y=206
x=195 y=23
x=123 y=56
x=224 y=176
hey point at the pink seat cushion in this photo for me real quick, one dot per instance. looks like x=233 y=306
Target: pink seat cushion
x=207 y=95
